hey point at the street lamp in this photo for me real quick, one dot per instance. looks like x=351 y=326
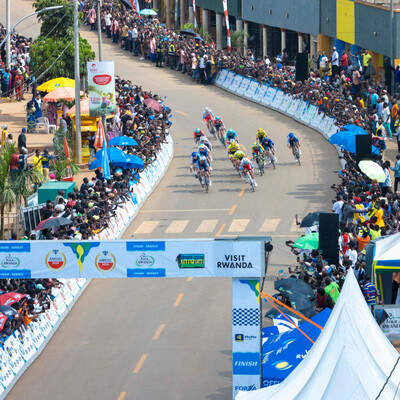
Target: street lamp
x=7 y=37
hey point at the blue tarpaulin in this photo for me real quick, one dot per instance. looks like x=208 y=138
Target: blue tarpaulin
x=283 y=353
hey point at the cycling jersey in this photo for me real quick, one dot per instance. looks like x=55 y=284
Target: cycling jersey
x=267 y=143
x=203 y=166
x=246 y=164
x=208 y=115
x=238 y=155
x=233 y=147
x=292 y=141
x=204 y=152
x=218 y=123
x=231 y=135
x=257 y=149
x=198 y=135
x=195 y=159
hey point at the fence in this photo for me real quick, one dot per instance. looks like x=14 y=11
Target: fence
x=12 y=223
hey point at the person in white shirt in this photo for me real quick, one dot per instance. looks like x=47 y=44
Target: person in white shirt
x=387 y=120
x=267 y=61
x=108 y=21
x=335 y=62
x=134 y=37
x=337 y=207
x=323 y=64
x=352 y=254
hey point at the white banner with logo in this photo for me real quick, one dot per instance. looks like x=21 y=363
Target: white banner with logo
x=388 y=318
x=246 y=335
x=130 y=259
x=101 y=85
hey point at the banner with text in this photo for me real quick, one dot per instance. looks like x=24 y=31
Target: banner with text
x=101 y=85
x=246 y=335
x=132 y=259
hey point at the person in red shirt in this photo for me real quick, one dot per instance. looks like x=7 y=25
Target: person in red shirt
x=14 y=166
x=344 y=61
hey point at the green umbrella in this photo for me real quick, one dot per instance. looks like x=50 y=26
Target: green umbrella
x=308 y=242
x=372 y=170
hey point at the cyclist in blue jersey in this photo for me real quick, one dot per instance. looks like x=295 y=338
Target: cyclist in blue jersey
x=268 y=146
x=293 y=143
x=203 y=150
x=194 y=159
x=231 y=135
x=204 y=168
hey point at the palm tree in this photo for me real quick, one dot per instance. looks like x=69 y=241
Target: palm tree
x=12 y=188
x=237 y=39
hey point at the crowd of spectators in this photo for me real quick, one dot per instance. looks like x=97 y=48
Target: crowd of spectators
x=25 y=300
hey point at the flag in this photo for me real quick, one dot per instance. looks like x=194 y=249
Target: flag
x=105 y=165
x=135 y=5
x=67 y=156
x=228 y=29
x=98 y=140
x=194 y=14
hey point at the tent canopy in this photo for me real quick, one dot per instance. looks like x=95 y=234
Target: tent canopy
x=387 y=254
x=351 y=359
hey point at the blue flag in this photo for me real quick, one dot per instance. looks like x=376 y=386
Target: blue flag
x=105 y=165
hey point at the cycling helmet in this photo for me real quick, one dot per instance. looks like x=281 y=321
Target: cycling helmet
x=207 y=109
x=239 y=154
x=4 y=126
x=217 y=118
x=261 y=131
x=195 y=154
x=231 y=132
x=256 y=144
x=198 y=130
x=203 y=158
x=291 y=135
x=202 y=146
x=246 y=161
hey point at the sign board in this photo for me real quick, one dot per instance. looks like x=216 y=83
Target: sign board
x=132 y=259
x=388 y=318
x=101 y=85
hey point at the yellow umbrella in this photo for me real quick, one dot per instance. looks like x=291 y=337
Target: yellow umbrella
x=56 y=83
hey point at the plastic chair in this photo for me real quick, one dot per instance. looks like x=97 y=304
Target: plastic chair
x=43 y=121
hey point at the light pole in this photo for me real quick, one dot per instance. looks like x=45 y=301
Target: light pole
x=78 y=137
x=7 y=37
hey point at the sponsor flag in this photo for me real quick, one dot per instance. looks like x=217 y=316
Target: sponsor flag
x=225 y=4
x=105 y=165
x=194 y=14
x=99 y=138
x=135 y=5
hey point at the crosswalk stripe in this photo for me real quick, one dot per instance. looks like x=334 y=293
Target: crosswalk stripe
x=207 y=225
x=294 y=227
x=177 y=226
x=269 y=225
x=238 y=225
x=147 y=227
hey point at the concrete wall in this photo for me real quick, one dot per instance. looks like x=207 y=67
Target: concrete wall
x=299 y=15
x=234 y=6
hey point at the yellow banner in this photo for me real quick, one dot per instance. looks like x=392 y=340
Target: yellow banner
x=345 y=23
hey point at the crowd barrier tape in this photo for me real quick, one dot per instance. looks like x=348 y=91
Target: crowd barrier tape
x=274 y=98
x=19 y=352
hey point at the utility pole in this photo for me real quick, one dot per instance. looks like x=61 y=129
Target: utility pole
x=103 y=119
x=392 y=41
x=8 y=26
x=168 y=13
x=78 y=137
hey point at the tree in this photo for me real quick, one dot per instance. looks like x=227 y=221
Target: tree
x=237 y=39
x=13 y=187
x=46 y=52
x=55 y=22
x=55 y=44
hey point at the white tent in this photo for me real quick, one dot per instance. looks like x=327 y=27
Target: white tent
x=351 y=359
x=387 y=252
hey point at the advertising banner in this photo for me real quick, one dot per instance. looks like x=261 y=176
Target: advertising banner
x=388 y=318
x=243 y=86
x=229 y=79
x=269 y=95
x=251 y=90
x=246 y=335
x=131 y=259
x=277 y=99
x=101 y=85
x=235 y=83
x=259 y=95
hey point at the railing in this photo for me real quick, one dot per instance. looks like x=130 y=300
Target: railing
x=12 y=223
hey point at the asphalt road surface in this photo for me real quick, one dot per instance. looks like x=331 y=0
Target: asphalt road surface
x=171 y=338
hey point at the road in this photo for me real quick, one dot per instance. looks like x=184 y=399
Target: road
x=171 y=339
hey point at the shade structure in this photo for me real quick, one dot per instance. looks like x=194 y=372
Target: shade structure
x=122 y=141
x=293 y=285
x=346 y=140
x=147 y=12
x=387 y=254
x=62 y=93
x=154 y=104
x=55 y=84
x=310 y=220
x=308 y=242
x=189 y=32
x=351 y=360
x=131 y=161
x=351 y=127
x=53 y=223
x=84 y=108
x=7 y=299
x=114 y=154
x=372 y=170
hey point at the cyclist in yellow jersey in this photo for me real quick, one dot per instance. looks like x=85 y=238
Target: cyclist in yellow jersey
x=233 y=148
x=260 y=135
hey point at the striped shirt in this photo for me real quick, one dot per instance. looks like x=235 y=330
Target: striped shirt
x=370 y=293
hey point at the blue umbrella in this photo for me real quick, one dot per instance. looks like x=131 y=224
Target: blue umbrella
x=113 y=155
x=131 y=161
x=346 y=140
x=147 y=11
x=199 y=38
x=96 y=163
x=122 y=141
x=351 y=127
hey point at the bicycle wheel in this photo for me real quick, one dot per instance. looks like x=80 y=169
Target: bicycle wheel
x=206 y=184
x=271 y=159
x=251 y=181
x=260 y=163
x=298 y=156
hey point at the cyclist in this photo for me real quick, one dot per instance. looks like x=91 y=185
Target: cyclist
x=293 y=143
x=231 y=135
x=232 y=149
x=218 y=123
x=268 y=146
x=208 y=116
x=204 y=140
x=203 y=150
x=195 y=157
x=247 y=166
x=204 y=168
x=260 y=135
x=237 y=158
x=257 y=150
x=197 y=134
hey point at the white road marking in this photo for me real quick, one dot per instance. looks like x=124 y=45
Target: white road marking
x=147 y=227
x=238 y=225
x=269 y=225
x=177 y=226
x=207 y=226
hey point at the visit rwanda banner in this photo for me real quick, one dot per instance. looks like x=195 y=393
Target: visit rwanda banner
x=101 y=84
x=131 y=259
x=246 y=335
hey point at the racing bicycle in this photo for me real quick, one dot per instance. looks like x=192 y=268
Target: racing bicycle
x=271 y=158
x=221 y=132
x=260 y=164
x=211 y=127
x=297 y=153
x=250 y=180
